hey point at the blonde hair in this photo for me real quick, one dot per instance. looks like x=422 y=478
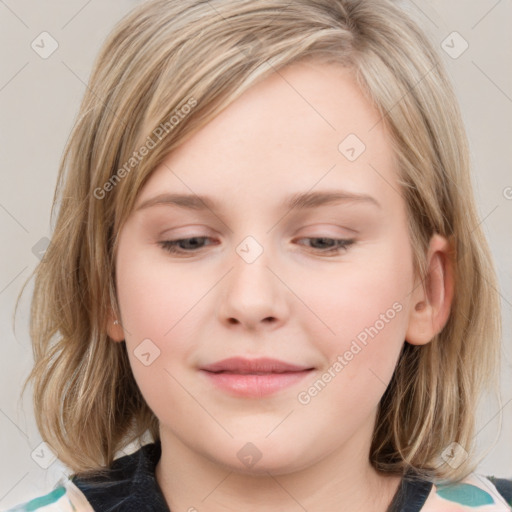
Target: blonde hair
x=168 y=54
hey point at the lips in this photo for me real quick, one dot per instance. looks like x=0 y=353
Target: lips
x=261 y=366
x=254 y=378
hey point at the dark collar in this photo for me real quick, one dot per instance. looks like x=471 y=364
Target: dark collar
x=411 y=495
x=130 y=486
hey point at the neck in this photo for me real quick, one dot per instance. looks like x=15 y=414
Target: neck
x=344 y=480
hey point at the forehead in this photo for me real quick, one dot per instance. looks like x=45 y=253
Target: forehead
x=307 y=126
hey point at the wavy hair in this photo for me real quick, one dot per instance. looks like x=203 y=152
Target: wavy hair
x=166 y=54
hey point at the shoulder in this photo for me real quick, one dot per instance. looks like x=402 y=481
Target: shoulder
x=475 y=492
x=65 y=497
x=128 y=485
x=503 y=486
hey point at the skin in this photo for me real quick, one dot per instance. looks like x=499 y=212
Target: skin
x=292 y=303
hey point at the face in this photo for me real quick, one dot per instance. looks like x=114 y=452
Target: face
x=322 y=285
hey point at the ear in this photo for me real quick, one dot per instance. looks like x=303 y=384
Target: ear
x=114 y=330
x=432 y=298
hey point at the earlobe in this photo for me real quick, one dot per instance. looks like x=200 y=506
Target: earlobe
x=114 y=328
x=432 y=299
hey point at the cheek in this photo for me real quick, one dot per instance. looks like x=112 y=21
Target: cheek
x=157 y=307
x=155 y=297
x=363 y=311
x=363 y=297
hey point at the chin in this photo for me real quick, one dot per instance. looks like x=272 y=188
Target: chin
x=261 y=456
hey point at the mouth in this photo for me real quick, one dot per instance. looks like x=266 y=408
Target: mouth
x=262 y=365
x=254 y=377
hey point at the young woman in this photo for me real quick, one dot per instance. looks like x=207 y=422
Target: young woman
x=267 y=258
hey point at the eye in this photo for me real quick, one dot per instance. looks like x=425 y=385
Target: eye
x=183 y=245
x=334 y=245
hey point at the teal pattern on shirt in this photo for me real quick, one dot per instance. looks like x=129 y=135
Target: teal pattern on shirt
x=466 y=494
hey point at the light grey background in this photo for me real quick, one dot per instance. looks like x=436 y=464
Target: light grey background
x=39 y=99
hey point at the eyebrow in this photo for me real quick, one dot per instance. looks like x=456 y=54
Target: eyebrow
x=299 y=201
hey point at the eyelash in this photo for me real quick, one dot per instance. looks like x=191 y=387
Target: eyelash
x=341 y=245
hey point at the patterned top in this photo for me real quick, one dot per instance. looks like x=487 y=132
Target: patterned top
x=131 y=486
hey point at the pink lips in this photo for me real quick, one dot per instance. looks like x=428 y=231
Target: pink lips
x=254 y=377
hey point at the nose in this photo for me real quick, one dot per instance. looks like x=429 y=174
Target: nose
x=253 y=296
